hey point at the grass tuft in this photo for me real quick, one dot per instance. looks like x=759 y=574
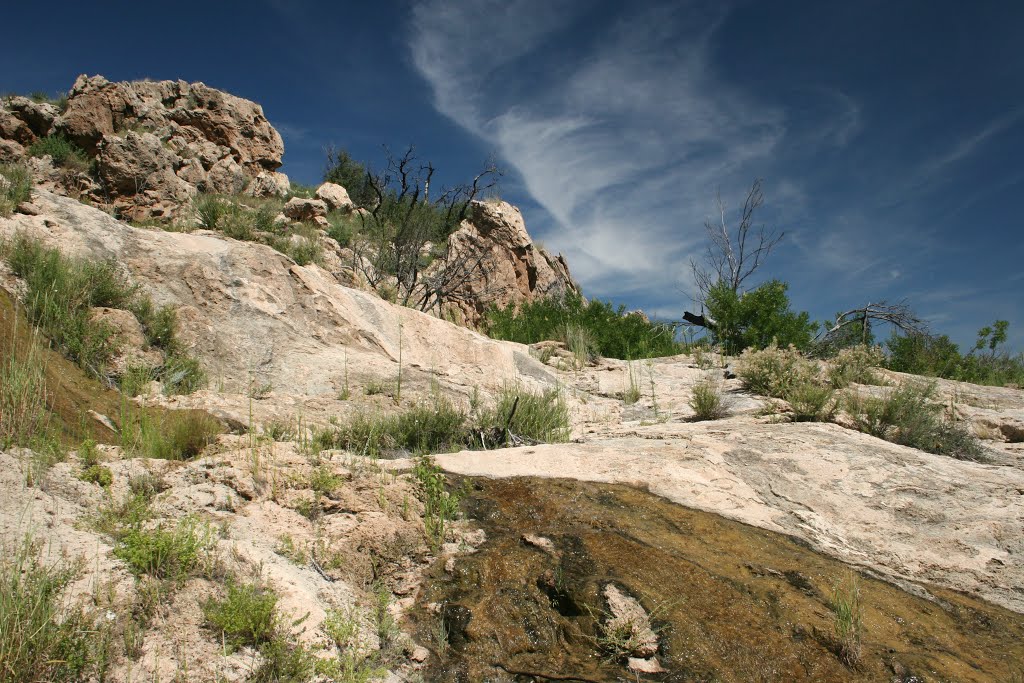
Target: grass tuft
x=706 y=402
x=15 y=187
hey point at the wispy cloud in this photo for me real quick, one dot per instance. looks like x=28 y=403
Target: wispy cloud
x=628 y=138
x=969 y=146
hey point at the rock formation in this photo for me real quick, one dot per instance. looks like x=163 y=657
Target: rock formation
x=518 y=269
x=154 y=144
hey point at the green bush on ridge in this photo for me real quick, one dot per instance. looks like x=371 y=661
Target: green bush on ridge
x=613 y=332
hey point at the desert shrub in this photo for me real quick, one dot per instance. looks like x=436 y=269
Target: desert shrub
x=854 y=364
x=168 y=553
x=615 y=333
x=246 y=616
x=811 y=402
x=757 y=319
x=909 y=417
x=706 y=402
x=64 y=153
x=440 y=504
x=343 y=227
x=775 y=371
x=41 y=637
x=15 y=187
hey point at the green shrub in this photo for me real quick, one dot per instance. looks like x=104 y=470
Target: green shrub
x=811 y=402
x=64 y=153
x=706 y=402
x=937 y=356
x=440 y=505
x=612 y=332
x=15 y=187
x=245 y=617
x=757 y=319
x=41 y=637
x=854 y=364
x=907 y=416
x=168 y=553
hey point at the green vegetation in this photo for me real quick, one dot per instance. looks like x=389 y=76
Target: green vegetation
x=246 y=617
x=15 y=187
x=60 y=293
x=854 y=364
x=757 y=319
x=909 y=417
x=41 y=637
x=706 y=402
x=64 y=153
x=168 y=553
x=440 y=505
x=848 y=621
x=177 y=435
x=786 y=374
x=591 y=328
x=438 y=426
x=23 y=395
x=92 y=471
x=937 y=356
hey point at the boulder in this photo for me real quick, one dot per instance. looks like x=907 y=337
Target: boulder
x=299 y=209
x=37 y=116
x=138 y=172
x=335 y=196
x=269 y=184
x=10 y=151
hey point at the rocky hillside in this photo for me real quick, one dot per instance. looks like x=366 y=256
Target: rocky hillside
x=306 y=515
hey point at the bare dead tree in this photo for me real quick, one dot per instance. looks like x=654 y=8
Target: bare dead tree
x=404 y=239
x=898 y=315
x=732 y=256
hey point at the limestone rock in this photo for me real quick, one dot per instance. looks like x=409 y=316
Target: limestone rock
x=335 y=196
x=139 y=172
x=10 y=151
x=300 y=209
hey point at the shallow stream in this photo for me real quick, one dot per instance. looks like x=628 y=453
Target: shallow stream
x=729 y=602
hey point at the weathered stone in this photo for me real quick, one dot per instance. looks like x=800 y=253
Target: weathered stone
x=335 y=196
x=269 y=184
x=131 y=340
x=628 y=623
x=10 y=151
x=299 y=209
x=38 y=116
x=515 y=271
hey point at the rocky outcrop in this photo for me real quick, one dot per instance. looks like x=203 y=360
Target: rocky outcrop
x=154 y=143
x=517 y=270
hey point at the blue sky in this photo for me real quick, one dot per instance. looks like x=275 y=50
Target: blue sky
x=889 y=135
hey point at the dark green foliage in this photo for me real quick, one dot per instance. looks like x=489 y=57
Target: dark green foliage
x=64 y=153
x=909 y=417
x=177 y=435
x=938 y=356
x=343 y=170
x=757 y=318
x=615 y=332
x=244 y=617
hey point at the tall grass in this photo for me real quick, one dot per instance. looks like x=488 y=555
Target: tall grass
x=848 y=621
x=15 y=187
x=60 y=293
x=22 y=396
x=42 y=638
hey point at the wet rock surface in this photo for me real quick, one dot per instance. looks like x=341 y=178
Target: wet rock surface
x=726 y=601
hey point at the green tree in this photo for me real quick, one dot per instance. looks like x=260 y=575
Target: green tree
x=757 y=318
